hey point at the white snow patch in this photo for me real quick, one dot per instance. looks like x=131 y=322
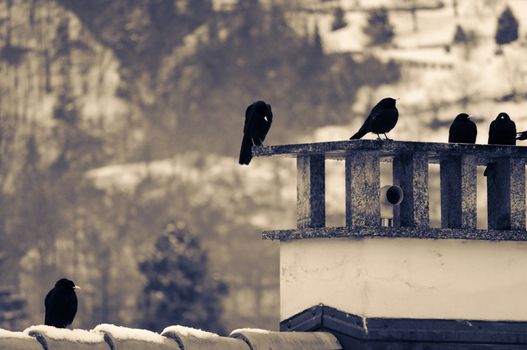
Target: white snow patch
x=9 y=334
x=124 y=333
x=75 y=335
x=189 y=332
x=250 y=330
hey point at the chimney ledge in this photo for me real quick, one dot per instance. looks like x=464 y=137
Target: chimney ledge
x=360 y=232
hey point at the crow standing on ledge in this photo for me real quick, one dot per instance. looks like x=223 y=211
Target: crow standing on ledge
x=258 y=119
x=502 y=131
x=381 y=119
x=522 y=135
x=61 y=304
x=462 y=130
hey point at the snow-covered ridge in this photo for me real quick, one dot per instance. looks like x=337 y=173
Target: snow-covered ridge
x=124 y=333
x=10 y=334
x=75 y=335
x=186 y=338
x=189 y=332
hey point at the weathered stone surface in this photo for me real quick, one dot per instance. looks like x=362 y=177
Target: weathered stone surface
x=506 y=194
x=505 y=186
x=362 y=189
x=397 y=232
x=459 y=192
x=263 y=340
x=18 y=341
x=390 y=149
x=410 y=172
x=311 y=191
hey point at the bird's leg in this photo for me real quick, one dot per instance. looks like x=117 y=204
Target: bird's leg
x=261 y=143
x=252 y=140
x=379 y=137
x=387 y=138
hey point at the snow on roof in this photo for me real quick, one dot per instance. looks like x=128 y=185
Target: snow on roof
x=75 y=335
x=250 y=330
x=185 y=338
x=188 y=332
x=9 y=334
x=125 y=333
x=196 y=339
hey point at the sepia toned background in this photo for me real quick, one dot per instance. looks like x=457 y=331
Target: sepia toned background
x=121 y=122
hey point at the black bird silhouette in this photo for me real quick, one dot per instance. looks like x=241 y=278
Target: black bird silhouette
x=61 y=304
x=381 y=119
x=258 y=119
x=522 y=135
x=462 y=130
x=502 y=131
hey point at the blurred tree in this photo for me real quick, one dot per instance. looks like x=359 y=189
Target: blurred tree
x=12 y=308
x=507 y=29
x=378 y=27
x=339 y=19
x=413 y=7
x=179 y=288
x=459 y=35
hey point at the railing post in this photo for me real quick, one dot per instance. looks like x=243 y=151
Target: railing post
x=362 y=189
x=459 y=192
x=506 y=194
x=410 y=172
x=311 y=191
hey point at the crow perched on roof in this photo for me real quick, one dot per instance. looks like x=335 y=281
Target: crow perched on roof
x=381 y=119
x=502 y=131
x=258 y=119
x=462 y=130
x=61 y=304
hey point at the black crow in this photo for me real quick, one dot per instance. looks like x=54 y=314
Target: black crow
x=502 y=131
x=61 y=304
x=381 y=119
x=522 y=135
x=462 y=130
x=258 y=119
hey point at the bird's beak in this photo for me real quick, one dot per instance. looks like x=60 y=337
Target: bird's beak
x=76 y=287
x=265 y=118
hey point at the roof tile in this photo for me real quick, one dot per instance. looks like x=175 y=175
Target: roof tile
x=17 y=341
x=195 y=339
x=264 y=340
x=53 y=338
x=123 y=338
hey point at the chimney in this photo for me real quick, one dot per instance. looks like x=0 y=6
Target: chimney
x=366 y=282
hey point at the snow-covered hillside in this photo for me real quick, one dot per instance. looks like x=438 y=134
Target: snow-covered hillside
x=437 y=83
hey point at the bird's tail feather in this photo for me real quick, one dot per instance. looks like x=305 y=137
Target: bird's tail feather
x=246 y=151
x=359 y=134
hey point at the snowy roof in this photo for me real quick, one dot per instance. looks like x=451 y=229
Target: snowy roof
x=17 y=340
x=111 y=337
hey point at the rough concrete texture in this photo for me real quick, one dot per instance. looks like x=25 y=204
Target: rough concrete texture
x=389 y=149
x=410 y=172
x=505 y=184
x=292 y=340
x=506 y=194
x=397 y=232
x=311 y=191
x=362 y=189
x=459 y=192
